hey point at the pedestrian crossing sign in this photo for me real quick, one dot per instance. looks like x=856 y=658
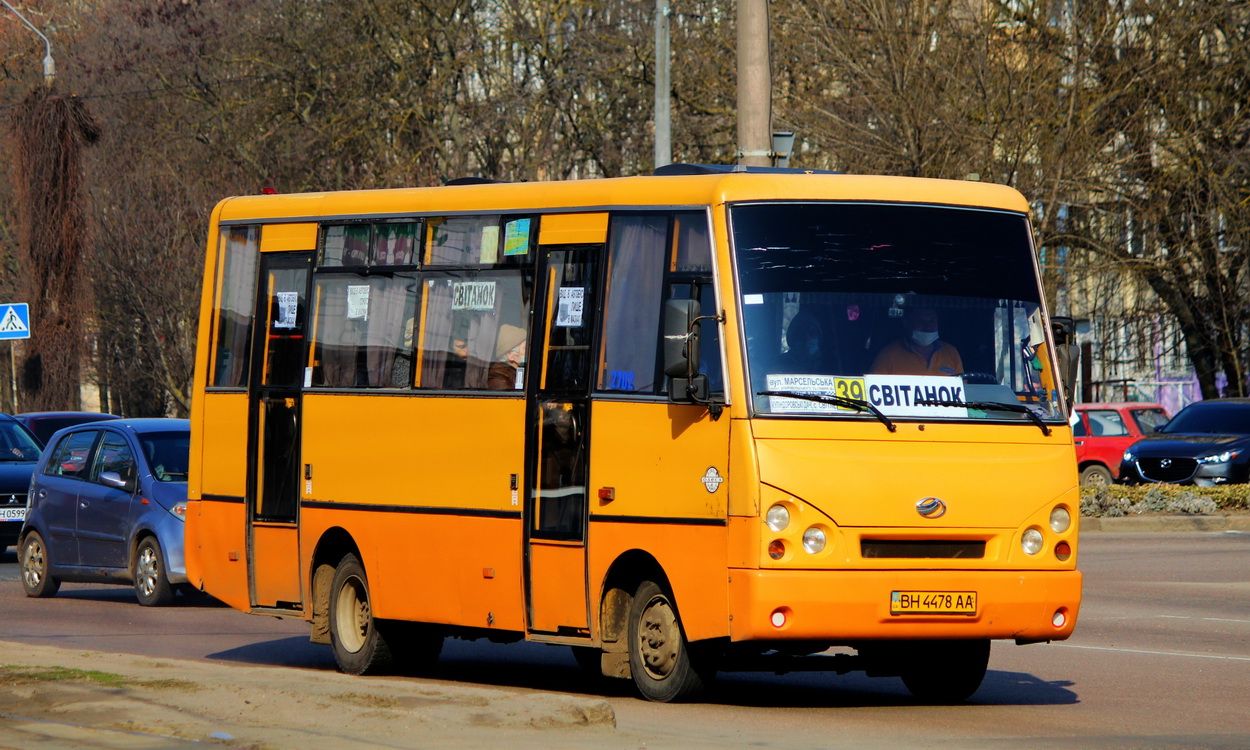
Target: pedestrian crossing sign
x=14 y=320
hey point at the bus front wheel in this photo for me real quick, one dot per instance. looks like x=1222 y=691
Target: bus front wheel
x=359 y=646
x=946 y=671
x=660 y=658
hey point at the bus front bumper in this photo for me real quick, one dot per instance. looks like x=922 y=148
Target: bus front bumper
x=853 y=605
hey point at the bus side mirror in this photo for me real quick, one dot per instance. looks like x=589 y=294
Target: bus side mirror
x=681 y=352
x=1067 y=353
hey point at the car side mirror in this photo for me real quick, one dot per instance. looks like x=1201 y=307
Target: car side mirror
x=114 y=480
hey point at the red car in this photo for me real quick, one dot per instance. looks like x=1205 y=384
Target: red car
x=1106 y=430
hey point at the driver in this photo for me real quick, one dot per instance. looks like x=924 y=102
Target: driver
x=919 y=351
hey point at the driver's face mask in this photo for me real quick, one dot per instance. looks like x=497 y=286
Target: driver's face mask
x=924 y=338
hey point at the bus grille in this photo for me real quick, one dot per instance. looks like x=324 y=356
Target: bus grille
x=1167 y=469
x=923 y=548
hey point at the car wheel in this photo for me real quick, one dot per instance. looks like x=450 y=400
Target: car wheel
x=945 y=672
x=1096 y=474
x=660 y=658
x=36 y=580
x=360 y=646
x=151 y=583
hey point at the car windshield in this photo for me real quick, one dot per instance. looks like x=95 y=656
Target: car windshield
x=1211 y=419
x=919 y=311
x=16 y=444
x=167 y=454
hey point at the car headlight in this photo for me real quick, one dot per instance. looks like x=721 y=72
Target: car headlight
x=180 y=510
x=1220 y=458
x=1031 y=541
x=778 y=517
x=1128 y=457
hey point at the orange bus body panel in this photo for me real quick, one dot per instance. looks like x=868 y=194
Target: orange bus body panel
x=1012 y=604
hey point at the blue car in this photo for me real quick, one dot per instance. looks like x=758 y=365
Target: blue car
x=19 y=450
x=107 y=505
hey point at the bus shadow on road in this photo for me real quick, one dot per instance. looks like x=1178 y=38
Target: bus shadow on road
x=535 y=666
x=294 y=651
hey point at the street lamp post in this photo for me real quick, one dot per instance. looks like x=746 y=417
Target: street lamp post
x=49 y=65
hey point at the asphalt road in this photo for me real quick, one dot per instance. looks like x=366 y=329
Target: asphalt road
x=1160 y=659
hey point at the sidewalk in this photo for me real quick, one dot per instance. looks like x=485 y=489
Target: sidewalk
x=70 y=698
x=1134 y=524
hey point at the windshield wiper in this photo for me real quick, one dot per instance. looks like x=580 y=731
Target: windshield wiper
x=987 y=405
x=821 y=398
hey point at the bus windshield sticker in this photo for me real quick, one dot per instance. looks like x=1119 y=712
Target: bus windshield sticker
x=358 y=302
x=490 y=244
x=516 y=240
x=478 y=296
x=570 y=313
x=288 y=303
x=752 y=299
x=893 y=395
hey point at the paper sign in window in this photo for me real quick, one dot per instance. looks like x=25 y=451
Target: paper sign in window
x=516 y=240
x=288 y=304
x=358 y=302
x=569 y=314
x=490 y=244
x=473 y=295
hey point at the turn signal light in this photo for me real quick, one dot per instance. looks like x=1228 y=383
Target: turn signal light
x=1063 y=551
x=776 y=549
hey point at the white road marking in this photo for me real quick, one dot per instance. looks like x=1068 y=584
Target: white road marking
x=1152 y=653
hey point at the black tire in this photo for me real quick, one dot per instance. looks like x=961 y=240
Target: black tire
x=151 y=581
x=660 y=658
x=1096 y=474
x=36 y=580
x=360 y=647
x=945 y=672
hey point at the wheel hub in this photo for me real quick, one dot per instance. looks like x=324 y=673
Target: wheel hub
x=660 y=639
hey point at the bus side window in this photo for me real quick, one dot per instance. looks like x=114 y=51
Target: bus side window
x=634 y=303
x=468 y=316
x=237 y=262
x=362 y=333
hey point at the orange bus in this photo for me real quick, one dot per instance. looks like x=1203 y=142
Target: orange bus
x=705 y=420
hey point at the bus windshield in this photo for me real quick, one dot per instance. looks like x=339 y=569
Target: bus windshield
x=867 y=310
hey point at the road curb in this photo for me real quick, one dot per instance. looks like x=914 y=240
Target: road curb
x=1142 y=524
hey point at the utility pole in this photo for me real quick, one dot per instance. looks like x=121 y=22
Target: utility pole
x=663 y=87
x=754 y=85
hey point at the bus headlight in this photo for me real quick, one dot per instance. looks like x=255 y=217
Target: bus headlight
x=1060 y=520
x=778 y=517
x=1031 y=542
x=814 y=540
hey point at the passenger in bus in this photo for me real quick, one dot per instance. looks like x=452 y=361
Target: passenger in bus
x=807 y=354
x=504 y=373
x=919 y=351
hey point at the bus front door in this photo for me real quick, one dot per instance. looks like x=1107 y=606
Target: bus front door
x=557 y=416
x=274 y=431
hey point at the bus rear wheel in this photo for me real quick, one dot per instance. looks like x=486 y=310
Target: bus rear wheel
x=359 y=646
x=660 y=658
x=945 y=672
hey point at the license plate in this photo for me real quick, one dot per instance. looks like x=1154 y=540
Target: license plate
x=13 y=514
x=933 y=602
